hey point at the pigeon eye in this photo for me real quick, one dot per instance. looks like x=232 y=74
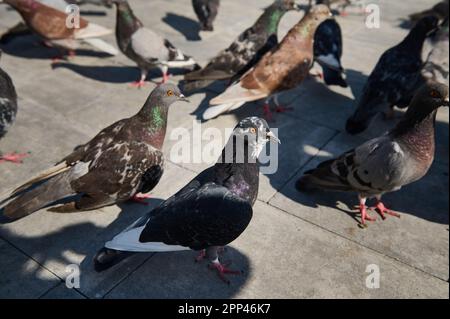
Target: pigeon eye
x=435 y=94
x=169 y=93
x=253 y=130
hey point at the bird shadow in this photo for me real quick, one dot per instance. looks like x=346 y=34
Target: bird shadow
x=189 y=28
x=30 y=46
x=112 y=74
x=76 y=240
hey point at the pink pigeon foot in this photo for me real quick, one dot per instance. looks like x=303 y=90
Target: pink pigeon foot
x=13 y=158
x=383 y=211
x=222 y=270
x=140 y=198
x=364 y=215
x=138 y=84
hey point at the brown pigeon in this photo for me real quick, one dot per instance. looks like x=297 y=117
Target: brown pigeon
x=389 y=162
x=51 y=25
x=283 y=68
x=123 y=160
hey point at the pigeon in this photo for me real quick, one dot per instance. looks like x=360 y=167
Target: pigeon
x=395 y=78
x=123 y=160
x=51 y=25
x=245 y=51
x=144 y=46
x=439 y=10
x=339 y=6
x=206 y=11
x=282 y=68
x=436 y=53
x=387 y=163
x=8 y=111
x=209 y=212
x=328 y=52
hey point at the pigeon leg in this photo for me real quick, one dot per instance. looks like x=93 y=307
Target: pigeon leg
x=222 y=269
x=141 y=82
x=166 y=76
x=382 y=210
x=140 y=198
x=13 y=158
x=279 y=108
x=363 y=209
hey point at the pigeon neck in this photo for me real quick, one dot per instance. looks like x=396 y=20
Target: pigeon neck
x=127 y=22
x=154 y=118
x=306 y=28
x=271 y=17
x=415 y=39
x=417 y=131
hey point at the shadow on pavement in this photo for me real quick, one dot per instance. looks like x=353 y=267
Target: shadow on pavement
x=189 y=28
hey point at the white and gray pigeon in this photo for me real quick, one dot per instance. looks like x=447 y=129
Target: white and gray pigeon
x=395 y=78
x=210 y=212
x=145 y=47
x=387 y=163
x=119 y=163
x=328 y=52
x=8 y=111
x=436 y=52
x=206 y=11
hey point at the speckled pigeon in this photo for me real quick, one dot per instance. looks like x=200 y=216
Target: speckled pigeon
x=50 y=24
x=282 y=68
x=123 y=160
x=436 y=52
x=206 y=11
x=210 y=212
x=245 y=51
x=146 y=47
x=8 y=111
x=395 y=78
x=328 y=52
x=387 y=163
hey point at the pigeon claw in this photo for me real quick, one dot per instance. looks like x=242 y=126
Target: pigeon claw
x=383 y=211
x=13 y=158
x=223 y=270
x=140 y=199
x=138 y=84
x=365 y=216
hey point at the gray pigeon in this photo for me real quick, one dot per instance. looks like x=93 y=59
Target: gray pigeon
x=8 y=111
x=245 y=51
x=387 y=163
x=395 y=78
x=123 y=160
x=210 y=212
x=206 y=11
x=146 y=47
x=436 y=55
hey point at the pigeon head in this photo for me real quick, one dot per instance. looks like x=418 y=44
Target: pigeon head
x=427 y=24
x=287 y=5
x=253 y=133
x=166 y=94
x=320 y=13
x=430 y=97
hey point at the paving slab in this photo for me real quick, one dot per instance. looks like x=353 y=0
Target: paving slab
x=422 y=228
x=62 y=292
x=326 y=265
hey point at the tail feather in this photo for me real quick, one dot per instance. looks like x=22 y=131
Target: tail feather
x=214 y=111
x=49 y=192
x=236 y=94
x=102 y=46
x=322 y=178
x=190 y=86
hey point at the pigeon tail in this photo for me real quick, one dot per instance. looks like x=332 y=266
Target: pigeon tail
x=214 y=111
x=102 y=46
x=129 y=241
x=42 y=195
x=237 y=94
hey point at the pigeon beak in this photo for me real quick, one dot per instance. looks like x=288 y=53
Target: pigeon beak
x=181 y=97
x=446 y=102
x=273 y=138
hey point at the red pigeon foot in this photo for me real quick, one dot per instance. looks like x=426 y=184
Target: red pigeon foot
x=222 y=270
x=382 y=210
x=364 y=215
x=165 y=79
x=140 y=199
x=13 y=158
x=138 y=84
x=202 y=254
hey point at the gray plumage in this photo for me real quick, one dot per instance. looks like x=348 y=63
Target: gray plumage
x=144 y=46
x=387 y=163
x=123 y=160
x=206 y=11
x=436 y=52
x=8 y=102
x=394 y=79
